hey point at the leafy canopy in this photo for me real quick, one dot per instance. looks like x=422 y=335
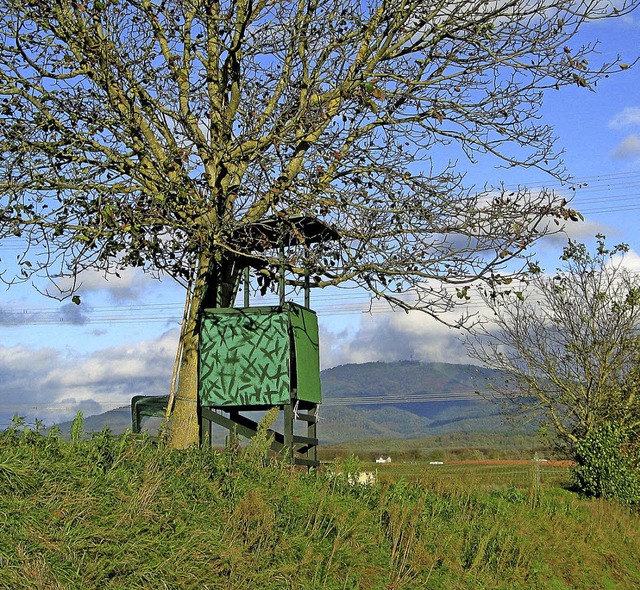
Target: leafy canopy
x=153 y=133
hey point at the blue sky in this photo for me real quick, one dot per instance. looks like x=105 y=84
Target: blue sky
x=57 y=358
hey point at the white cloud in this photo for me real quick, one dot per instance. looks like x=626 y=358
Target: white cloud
x=587 y=229
x=394 y=336
x=630 y=261
x=628 y=148
x=46 y=384
x=399 y=336
x=550 y=247
x=128 y=286
x=629 y=117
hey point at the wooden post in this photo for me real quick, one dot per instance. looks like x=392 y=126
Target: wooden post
x=307 y=289
x=247 y=278
x=281 y=277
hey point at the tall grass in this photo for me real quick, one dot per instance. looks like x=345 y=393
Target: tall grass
x=130 y=513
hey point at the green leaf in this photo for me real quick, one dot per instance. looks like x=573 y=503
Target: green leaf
x=463 y=293
x=76 y=299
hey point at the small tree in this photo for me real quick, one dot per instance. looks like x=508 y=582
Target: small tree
x=162 y=134
x=570 y=348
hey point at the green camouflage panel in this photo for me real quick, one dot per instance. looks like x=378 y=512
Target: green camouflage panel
x=246 y=356
x=304 y=324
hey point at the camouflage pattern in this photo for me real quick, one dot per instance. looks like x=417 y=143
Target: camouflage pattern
x=258 y=356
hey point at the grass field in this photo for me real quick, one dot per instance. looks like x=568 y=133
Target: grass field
x=128 y=513
x=490 y=474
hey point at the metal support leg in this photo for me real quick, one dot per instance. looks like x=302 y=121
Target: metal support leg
x=312 y=432
x=288 y=433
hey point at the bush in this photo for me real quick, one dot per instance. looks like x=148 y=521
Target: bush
x=607 y=464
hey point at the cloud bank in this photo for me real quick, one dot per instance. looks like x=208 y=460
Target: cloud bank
x=391 y=337
x=628 y=148
x=52 y=386
x=626 y=118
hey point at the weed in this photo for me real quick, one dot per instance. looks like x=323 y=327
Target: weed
x=77 y=428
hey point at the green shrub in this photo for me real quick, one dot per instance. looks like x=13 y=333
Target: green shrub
x=607 y=464
x=101 y=451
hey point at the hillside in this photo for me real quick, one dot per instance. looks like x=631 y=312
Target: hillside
x=436 y=403
x=407 y=377
x=439 y=398
x=124 y=513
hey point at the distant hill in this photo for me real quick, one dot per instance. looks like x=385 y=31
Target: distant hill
x=418 y=392
x=404 y=377
x=462 y=410
x=117 y=420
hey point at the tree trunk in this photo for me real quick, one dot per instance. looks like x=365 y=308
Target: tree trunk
x=184 y=427
x=209 y=291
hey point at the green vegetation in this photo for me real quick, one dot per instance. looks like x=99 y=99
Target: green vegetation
x=607 y=464
x=518 y=477
x=128 y=513
x=380 y=378
x=570 y=349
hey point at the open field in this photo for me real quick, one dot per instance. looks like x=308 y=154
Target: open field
x=449 y=447
x=483 y=474
x=476 y=459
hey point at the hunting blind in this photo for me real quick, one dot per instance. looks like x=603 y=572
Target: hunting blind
x=256 y=358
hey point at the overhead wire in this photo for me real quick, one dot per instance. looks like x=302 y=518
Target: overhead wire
x=593 y=195
x=334 y=304
x=341 y=303
x=328 y=401
x=582 y=187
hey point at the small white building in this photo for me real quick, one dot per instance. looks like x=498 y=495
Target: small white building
x=383 y=460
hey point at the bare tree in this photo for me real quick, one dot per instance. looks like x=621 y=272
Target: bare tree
x=160 y=133
x=570 y=348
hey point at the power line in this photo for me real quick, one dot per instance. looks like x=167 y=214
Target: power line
x=352 y=400
x=584 y=186
x=406 y=398
x=324 y=305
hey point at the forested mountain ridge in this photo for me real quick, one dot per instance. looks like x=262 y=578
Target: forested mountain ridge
x=383 y=413
x=379 y=378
